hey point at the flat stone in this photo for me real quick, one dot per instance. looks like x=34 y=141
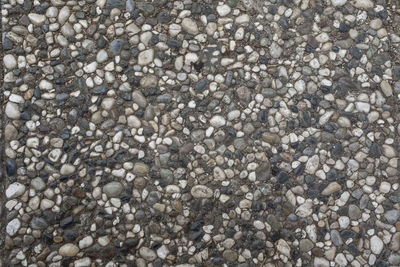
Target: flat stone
x=38 y=223
x=386 y=88
x=271 y=138
x=331 y=188
x=68 y=250
x=312 y=164
x=13 y=227
x=376 y=245
x=306 y=245
x=217 y=121
x=363 y=4
x=37 y=19
x=113 y=189
x=275 y=50
x=147 y=253
x=15 y=190
x=392 y=216
x=38 y=184
x=190 y=26
x=140 y=169
x=10 y=62
x=139 y=99
x=283 y=247
x=201 y=191
x=146 y=57
x=67 y=169
x=354 y=212
x=338 y=2
x=12 y=111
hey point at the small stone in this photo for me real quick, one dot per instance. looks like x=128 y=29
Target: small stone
x=363 y=107
x=306 y=245
x=11 y=167
x=38 y=184
x=147 y=254
x=190 y=26
x=338 y=2
x=140 y=168
x=283 y=247
x=108 y=103
x=63 y=15
x=10 y=62
x=38 y=223
x=392 y=216
x=223 y=10
x=101 y=56
x=90 y=68
x=275 y=50
x=385 y=187
x=388 y=151
x=15 y=190
x=363 y=4
x=67 y=169
x=13 y=227
x=85 y=242
x=201 y=191
x=12 y=111
x=331 y=188
x=68 y=250
x=386 y=88
x=230 y=255
x=37 y=19
x=84 y=262
x=217 y=121
x=162 y=252
x=305 y=210
x=321 y=262
x=146 y=57
x=336 y=239
x=376 y=245
x=271 y=138
x=354 y=212
x=312 y=164
x=113 y=189
x=139 y=99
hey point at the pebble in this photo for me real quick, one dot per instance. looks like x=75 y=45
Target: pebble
x=113 y=189
x=15 y=190
x=12 y=111
x=376 y=245
x=13 y=226
x=201 y=191
x=10 y=62
x=68 y=250
x=190 y=26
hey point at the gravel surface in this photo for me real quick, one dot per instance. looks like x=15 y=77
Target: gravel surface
x=200 y=133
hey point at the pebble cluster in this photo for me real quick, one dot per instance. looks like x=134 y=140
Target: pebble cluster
x=201 y=133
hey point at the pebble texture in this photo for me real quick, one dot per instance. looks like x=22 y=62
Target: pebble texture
x=200 y=133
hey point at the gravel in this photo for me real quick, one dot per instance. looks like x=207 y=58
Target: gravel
x=200 y=133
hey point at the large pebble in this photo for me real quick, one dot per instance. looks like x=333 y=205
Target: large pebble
x=12 y=111
x=15 y=190
x=9 y=61
x=190 y=26
x=217 y=121
x=68 y=250
x=201 y=191
x=376 y=245
x=113 y=189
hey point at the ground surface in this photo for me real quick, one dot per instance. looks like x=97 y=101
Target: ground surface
x=200 y=133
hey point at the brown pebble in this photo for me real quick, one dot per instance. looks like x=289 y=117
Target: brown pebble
x=78 y=192
x=44 y=254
